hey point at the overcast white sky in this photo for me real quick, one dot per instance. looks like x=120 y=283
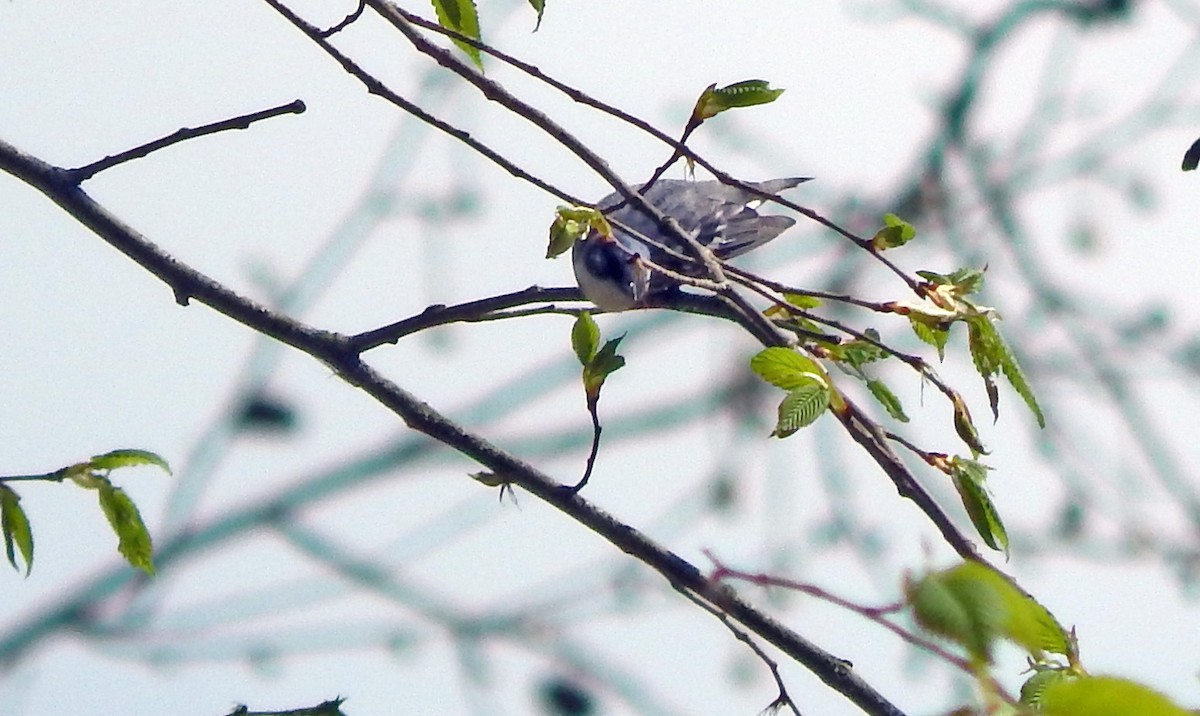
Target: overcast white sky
x=98 y=356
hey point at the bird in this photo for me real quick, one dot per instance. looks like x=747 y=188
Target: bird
x=611 y=271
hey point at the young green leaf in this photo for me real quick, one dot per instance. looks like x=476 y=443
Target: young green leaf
x=17 y=533
x=967 y=280
x=802 y=301
x=887 y=399
x=991 y=353
x=540 y=7
x=800 y=408
x=585 y=337
x=965 y=427
x=128 y=458
x=964 y=611
x=461 y=16
x=935 y=336
x=785 y=368
x=974 y=605
x=714 y=100
x=1031 y=690
x=603 y=364
x=1105 y=696
x=968 y=477
x=859 y=352
x=895 y=232
x=133 y=539
x=570 y=224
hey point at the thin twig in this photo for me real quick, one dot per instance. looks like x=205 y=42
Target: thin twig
x=82 y=174
x=358 y=11
x=680 y=149
x=877 y=615
x=784 y=698
x=439 y=315
x=376 y=87
x=593 y=410
x=334 y=351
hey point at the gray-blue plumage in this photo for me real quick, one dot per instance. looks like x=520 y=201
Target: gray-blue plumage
x=722 y=217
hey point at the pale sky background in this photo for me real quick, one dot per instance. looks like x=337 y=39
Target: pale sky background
x=98 y=356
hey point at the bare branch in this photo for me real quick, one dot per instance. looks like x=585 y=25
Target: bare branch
x=82 y=174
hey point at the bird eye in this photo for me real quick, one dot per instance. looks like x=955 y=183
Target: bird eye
x=603 y=261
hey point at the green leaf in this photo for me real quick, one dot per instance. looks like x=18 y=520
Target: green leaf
x=540 y=7
x=133 y=538
x=785 y=368
x=968 y=477
x=802 y=301
x=860 y=352
x=974 y=605
x=603 y=364
x=895 y=232
x=887 y=399
x=967 y=280
x=461 y=16
x=965 y=427
x=714 y=100
x=1034 y=686
x=801 y=407
x=127 y=458
x=1105 y=696
x=570 y=224
x=585 y=337
x=991 y=353
x=933 y=335
x=965 y=611
x=17 y=533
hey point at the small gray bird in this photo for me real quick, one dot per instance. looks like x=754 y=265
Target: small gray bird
x=722 y=217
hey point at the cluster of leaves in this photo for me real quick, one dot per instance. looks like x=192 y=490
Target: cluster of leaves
x=944 y=302
x=976 y=607
x=133 y=539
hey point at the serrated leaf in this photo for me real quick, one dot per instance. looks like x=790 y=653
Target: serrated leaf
x=974 y=605
x=585 y=337
x=968 y=477
x=887 y=399
x=785 y=368
x=964 y=611
x=967 y=280
x=895 y=232
x=1105 y=696
x=860 y=352
x=800 y=408
x=991 y=354
x=714 y=100
x=540 y=7
x=936 y=337
x=462 y=17
x=1034 y=686
x=133 y=539
x=18 y=536
x=128 y=458
x=603 y=364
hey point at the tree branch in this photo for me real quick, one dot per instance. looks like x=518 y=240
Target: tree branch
x=82 y=174
x=335 y=351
